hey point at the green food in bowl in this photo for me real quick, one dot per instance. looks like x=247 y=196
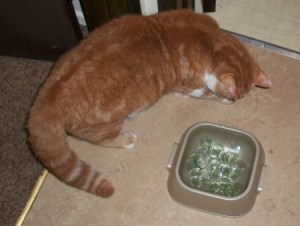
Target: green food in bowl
x=215 y=168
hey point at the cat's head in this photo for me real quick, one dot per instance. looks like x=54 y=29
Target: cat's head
x=234 y=84
x=236 y=71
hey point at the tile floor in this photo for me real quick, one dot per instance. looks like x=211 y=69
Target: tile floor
x=273 y=21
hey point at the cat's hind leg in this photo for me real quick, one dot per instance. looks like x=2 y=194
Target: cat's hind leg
x=106 y=134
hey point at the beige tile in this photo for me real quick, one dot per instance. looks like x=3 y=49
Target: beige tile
x=267 y=5
x=234 y=12
x=283 y=26
x=258 y=20
x=290 y=8
x=255 y=24
x=273 y=21
x=228 y=25
x=252 y=33
x=243 y=29
x=285 y=41
x=247 y=3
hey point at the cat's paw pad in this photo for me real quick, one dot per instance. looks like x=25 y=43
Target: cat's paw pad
x=131 y=140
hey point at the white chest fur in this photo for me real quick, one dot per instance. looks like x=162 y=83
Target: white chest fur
x=210 y=80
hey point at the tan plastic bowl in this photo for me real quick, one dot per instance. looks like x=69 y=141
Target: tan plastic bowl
x=216 y=169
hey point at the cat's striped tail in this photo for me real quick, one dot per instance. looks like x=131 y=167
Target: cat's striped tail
x=48 y=141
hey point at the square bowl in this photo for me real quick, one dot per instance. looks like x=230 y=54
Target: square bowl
x=216 y=169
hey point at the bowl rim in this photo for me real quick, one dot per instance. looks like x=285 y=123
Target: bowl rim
x=183 y=142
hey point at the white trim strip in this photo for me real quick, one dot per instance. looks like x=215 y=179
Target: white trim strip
x=149 y=7
x=198 y=6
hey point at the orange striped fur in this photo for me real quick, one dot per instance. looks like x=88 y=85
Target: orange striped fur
x=123 y=68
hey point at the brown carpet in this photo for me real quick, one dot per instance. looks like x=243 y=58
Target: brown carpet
x=19 y=81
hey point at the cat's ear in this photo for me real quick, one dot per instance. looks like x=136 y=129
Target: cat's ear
x=230 y=85
x=261 y=80
x=227 y=87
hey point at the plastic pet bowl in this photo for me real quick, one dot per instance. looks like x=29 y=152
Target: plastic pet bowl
x=216 y=169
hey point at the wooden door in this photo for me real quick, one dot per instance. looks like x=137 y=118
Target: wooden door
x=40 y=29
x=98 y=12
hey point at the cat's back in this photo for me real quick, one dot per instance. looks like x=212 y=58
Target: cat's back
x=127 y=40
x=128 y=29
x=186 y=18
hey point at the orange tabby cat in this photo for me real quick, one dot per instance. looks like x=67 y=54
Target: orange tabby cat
x=123 y=68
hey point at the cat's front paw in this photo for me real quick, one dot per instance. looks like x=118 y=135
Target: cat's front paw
x=226 y=101
x=130 y=139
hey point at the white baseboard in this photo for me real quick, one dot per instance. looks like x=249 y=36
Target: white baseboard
x=198 y=6
x=80 y=17
x=148 y=7
x=78 y=12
